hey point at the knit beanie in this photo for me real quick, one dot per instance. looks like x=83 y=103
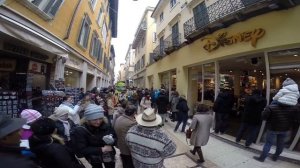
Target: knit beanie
x=93 y=111
x=30 y=115
x=288 y=81
x=59 y=111
x=44 y=126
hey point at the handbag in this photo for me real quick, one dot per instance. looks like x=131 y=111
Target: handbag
x=188 y=133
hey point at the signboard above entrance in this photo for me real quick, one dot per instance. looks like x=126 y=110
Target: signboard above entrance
x=222 y=39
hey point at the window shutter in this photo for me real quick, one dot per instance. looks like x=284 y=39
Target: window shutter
x=48 y=7
x=86 y=38
x=55 y=7
x=36 y=2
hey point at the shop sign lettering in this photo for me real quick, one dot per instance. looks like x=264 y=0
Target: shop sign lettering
x=15 y=49
x=7 y=65
x=222 y=39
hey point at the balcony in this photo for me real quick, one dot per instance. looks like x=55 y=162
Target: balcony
x=226 y=12
x=172 y=43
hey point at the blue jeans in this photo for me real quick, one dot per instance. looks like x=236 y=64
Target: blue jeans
x=252 y=132
x=182 y=118
x=271 y=136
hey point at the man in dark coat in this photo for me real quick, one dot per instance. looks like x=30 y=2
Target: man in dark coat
x=162 y=105
x=223 y=106
x=280 y=119
x=251 y=117
x=183 y=110
x=10 y=152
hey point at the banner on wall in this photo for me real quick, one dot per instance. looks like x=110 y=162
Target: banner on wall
x=37 y=67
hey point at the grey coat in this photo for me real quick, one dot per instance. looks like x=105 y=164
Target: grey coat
x=201 y=124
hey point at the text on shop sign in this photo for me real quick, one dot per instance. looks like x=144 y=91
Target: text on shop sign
x=222 y=39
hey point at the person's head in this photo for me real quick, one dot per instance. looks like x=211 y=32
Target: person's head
x=131 y=110
x=147 y=95
x=162 y=91
x=10 y=130
x=43 y=127
x=124 y=104
x=288 y=81
x=68 y=98
x=202 y=108
x=94 y=115
x=81 y=89
x=30 y=115
x=109 y=95
x=149 y=118
x=176 y=93
x=60 y=113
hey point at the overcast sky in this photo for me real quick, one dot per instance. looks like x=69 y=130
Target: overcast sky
x=130 y=13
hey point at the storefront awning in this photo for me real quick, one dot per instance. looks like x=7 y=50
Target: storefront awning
x=28 y=35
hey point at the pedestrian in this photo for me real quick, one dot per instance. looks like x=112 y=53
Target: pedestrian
x=30 y=115
x=148 y=144
x=49 y=148
x=289 y=94
x=110 y=107
x=183 y=110
x=73 y=110
x=118 y=111
x=145 y=102
x=279 y=118
x=63 y=123
x=162 y=106
x=173 y=103
x=10 y=150
x=95 y=139
x=251 y=117
x=200 y=126
x=223 y=107
x=123 y=124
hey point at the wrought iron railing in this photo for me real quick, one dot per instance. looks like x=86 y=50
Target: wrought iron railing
x=159 y=50
x=173 y=41
x=220 y=9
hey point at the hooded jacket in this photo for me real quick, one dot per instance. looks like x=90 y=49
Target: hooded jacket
x=288 y=95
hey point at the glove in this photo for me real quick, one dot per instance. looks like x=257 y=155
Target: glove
x=108 y=139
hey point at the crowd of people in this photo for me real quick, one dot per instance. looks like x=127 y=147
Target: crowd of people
x=132 y=121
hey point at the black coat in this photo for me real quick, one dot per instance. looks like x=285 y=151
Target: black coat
x=51 y=153
x=254 y=105
x=87 y=140
x=162 y=104
x=280 y=117
x=182 y=106
x=224 y=103
x=10 y=157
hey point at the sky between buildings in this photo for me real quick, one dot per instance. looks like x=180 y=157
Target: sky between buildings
x=129 y=17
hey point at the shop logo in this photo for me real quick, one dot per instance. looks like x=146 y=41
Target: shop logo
x=222 y=39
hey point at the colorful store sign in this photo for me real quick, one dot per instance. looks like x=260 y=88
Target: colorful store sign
x=222 y=39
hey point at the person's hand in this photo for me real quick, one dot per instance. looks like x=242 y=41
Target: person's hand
x=106 y=148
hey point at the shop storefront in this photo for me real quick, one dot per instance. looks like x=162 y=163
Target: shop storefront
x=72 y=77
x=248 y=55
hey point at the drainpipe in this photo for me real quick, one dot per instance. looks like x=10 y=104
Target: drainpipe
x=72 y=20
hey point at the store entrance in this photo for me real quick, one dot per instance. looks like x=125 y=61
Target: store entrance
x=242 y=75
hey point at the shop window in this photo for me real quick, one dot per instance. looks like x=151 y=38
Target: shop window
x=195 y=87
x=143 y=61
x=200 y=16
x=84 y=31
x=161 y=17
x=46 y=8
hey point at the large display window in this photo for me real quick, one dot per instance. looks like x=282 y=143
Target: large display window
x=71 y=78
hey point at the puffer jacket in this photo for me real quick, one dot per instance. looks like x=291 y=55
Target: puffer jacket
x=87 y=140
x=280 y=117
x=254 y=106
x=288 y=95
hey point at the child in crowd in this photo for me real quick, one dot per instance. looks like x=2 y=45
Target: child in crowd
x=288 y=95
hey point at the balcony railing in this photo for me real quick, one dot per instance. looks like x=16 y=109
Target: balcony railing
x=213 y=16
x=172 y=42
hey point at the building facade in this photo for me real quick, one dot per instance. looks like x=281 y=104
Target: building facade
x=121 y=76
x=143 y=45
x=129 y=65
x=49 y=41
x=236 y=44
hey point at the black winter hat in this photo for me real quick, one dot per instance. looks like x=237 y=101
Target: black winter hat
x=44 y=126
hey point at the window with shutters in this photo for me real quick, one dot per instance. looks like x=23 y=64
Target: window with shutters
x=93 y=4
x=84 y=32
x=45 y=8
x=100 y=16
x=104 y=32
x=95 y=46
